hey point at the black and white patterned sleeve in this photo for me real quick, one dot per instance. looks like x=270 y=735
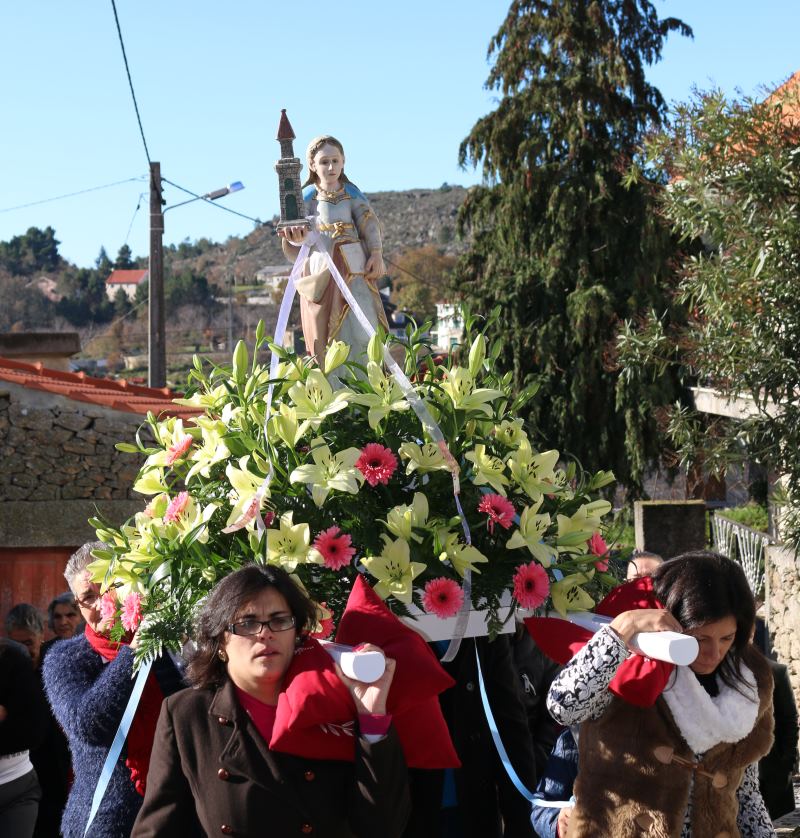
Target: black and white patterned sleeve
x=753 y=820
x=580 y=691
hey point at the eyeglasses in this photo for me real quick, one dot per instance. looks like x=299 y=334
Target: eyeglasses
x=247 y=628
x=89 y=600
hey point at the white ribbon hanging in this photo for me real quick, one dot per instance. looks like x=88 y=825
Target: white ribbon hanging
x=418 y=405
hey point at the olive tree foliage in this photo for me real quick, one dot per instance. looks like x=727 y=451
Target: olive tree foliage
x=734 y=186
x=560 y=241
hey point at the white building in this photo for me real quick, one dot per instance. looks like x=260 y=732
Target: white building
x=125 y=280
x=449 y=326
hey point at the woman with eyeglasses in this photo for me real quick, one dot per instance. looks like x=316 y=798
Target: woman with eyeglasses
x=212 y=771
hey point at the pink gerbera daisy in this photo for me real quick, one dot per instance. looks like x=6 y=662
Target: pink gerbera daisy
x=176 y=451
x=176 y=507
x=531 y=585
x=131 y=612
x=108 y=606
x=377 y=463
x=442 y=597
x=499 y=509
x=598 y=547
x=335 y=547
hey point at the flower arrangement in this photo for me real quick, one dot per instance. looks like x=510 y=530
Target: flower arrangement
x=356 y=486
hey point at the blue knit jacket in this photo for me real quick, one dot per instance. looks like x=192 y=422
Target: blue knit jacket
x=88 y=697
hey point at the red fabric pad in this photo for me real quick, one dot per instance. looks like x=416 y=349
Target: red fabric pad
x=639 y=680
x=419 y=675
x=315 y=716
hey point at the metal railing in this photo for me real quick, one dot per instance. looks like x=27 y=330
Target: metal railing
x=743 y=545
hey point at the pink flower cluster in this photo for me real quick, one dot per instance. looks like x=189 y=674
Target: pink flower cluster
x=442 y=597
x=176 y=507
x=131 y=614
x=377 y=463
x=499 y=509
x=108 y=607
x=598 y=547
x=531 y=585
x=335 y=547
x=176 y=451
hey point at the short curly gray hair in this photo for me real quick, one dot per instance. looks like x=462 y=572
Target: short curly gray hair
x=79 y=560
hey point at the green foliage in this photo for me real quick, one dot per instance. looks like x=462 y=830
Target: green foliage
x=34 y=252
x=419 y=280
x=124 y=260
x=751 y=515
x=85 y=299
x=736 y=181
x=23 y=307
x=563 y=242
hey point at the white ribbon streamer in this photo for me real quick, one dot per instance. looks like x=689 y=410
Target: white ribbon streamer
x=418 y=405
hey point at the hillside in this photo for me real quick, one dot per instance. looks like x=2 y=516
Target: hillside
x=409 y=219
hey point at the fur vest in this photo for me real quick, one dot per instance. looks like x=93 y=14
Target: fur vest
x=639 y=765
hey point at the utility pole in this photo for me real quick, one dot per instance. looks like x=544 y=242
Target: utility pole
x=156 y=346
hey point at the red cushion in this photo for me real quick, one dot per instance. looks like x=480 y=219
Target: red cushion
x=316 y=715
x=639 y=680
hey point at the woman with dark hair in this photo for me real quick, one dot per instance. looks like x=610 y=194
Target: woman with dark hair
x=212 y=770
x=687 y=764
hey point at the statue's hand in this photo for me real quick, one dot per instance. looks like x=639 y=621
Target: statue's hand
x=294 y=235
x=375 y=268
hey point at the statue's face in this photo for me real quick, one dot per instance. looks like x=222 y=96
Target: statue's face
x=328 y=164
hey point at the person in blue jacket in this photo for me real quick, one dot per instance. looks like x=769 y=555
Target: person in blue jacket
x=556 y=785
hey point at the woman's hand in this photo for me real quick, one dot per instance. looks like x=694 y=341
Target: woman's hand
x=562 y=824
x=629 y=623
x=296 y=234
x=370 y=698
x=374 y=269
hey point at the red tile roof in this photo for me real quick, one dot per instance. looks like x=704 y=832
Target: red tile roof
x=788 y=94
x=117 y=395
x=120 y=277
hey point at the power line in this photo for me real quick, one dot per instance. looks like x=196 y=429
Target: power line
x=72 y=194
x=130 y=80
x=213 y=203
x=133 y=217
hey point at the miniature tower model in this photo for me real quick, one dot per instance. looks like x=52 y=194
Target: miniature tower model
x=288 y=169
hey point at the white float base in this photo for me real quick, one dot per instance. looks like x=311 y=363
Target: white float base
x=433 y=628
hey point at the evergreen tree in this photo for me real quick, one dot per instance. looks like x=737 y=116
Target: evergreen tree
x=123 y=260
x=35 y=251
x=103 y=264
x=564 y=240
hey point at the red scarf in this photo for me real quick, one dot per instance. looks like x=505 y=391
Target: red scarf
x=639 y=680
x=143 y=726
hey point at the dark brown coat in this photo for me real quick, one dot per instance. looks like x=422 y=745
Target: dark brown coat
x=211 y=773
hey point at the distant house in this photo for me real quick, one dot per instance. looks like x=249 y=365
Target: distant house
x=449 y=326
x=273 y=276
x=125 y=280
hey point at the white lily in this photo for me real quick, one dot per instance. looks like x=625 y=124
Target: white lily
x=329 y=472
x=402 y=519
x=460 y=387
x=530 y=534
x=213 y=448
x=315 y=398
x=387 y=396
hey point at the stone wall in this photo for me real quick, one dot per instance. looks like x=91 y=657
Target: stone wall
x=59 y=466
x=782 y=609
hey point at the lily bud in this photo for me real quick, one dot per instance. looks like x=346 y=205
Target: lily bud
x=335 y=355
x=375 y=349
x=477 y=354
x=240 y=361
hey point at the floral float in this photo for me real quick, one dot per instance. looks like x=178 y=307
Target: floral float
x=336 y=477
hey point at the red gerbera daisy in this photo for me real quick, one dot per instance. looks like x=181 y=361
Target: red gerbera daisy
x=499 y=509
x=531 y=585
x=598 y=547
x=377 y=463
x=442 y=597
x=335 y=547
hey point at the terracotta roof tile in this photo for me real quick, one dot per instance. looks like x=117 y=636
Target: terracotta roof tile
x=105 y=392
x=126 y=277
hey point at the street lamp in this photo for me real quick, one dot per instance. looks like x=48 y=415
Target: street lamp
x=157 y=344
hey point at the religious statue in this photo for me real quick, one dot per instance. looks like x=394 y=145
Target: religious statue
x=349 y=232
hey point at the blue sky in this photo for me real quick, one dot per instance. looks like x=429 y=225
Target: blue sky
x=399 y=84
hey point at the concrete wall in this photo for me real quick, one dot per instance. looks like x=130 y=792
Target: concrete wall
x=782 y=607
